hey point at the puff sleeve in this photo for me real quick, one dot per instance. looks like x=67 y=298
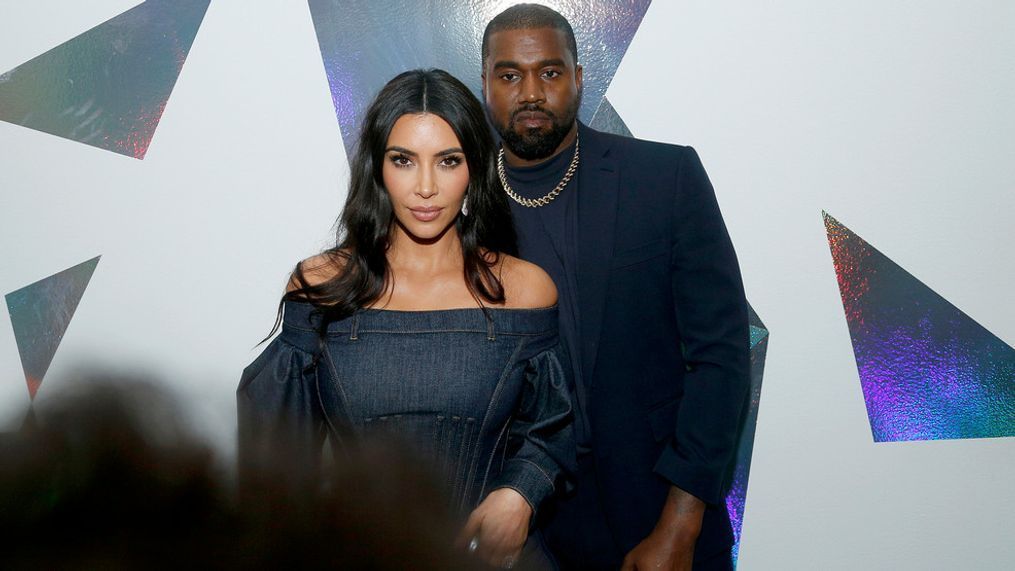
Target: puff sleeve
x=280 y=424
x=541 y=456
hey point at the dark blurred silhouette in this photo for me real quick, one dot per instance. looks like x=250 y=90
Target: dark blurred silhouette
x=109 y=477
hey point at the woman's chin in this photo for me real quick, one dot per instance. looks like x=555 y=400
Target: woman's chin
x=425 y=232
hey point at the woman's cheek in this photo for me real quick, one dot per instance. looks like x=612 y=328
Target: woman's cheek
x=395 y=181
x=457 y=181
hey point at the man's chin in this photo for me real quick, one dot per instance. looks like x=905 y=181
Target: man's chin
x=532 y=148
x=529 y=154
x=533 y=137
x=531 y=144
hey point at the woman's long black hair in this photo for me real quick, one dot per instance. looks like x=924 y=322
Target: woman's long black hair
x=367 y=219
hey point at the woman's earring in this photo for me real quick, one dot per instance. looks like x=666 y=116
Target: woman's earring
x=465 y=206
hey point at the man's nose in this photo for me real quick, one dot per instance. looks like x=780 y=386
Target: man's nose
x=532 y=90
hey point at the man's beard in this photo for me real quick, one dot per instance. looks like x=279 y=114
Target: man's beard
x=535 y=144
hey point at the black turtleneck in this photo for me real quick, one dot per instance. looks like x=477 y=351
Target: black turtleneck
x=548 y=237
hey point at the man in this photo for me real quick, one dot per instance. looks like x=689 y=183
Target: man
x=652 y=309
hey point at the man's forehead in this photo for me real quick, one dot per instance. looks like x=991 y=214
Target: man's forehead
x=536 y=43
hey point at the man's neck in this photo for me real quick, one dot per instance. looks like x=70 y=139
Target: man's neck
x=514 y=160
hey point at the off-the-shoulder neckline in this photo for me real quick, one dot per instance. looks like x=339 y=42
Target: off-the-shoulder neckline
x=447 y=310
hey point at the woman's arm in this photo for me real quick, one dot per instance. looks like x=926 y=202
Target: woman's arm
x=541 y=459
x=280 y=426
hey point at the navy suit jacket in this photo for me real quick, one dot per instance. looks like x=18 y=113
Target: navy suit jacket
x=664 y=341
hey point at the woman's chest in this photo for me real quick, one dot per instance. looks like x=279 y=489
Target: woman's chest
x=453 y=374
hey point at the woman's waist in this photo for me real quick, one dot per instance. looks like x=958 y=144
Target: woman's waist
x=462 y=450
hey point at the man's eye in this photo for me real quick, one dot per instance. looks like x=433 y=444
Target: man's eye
x=509 y=76
x=551 y=73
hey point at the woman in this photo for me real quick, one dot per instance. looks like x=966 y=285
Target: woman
x=421 y=322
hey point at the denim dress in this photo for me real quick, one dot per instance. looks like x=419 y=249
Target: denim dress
x=481 y=393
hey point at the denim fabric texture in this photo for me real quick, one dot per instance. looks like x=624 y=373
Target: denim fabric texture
x=481 y=394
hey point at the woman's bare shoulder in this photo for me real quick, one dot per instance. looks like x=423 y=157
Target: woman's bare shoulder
x=526 y=285
x=317 y=269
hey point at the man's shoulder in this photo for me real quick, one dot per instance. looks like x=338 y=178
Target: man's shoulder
x=622 y=146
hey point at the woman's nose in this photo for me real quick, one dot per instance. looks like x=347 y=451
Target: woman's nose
x=426 y=186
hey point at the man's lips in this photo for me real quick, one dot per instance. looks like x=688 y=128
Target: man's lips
x=426 y=213
x=531 y=118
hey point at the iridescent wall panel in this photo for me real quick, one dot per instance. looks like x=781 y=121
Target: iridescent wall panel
x=928 y=371
x=607 y=119
x=40 y=313
x=109 y=86
x=365 y=43
x=736 y=498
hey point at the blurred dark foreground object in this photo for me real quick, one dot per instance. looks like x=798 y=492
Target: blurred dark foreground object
x=108 y=477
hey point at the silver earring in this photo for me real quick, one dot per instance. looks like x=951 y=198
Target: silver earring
x=465 y=206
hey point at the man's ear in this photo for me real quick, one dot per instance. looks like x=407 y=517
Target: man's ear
x=578 y=77
x=482 y=83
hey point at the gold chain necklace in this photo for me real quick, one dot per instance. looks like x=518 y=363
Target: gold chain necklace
x=543 y=200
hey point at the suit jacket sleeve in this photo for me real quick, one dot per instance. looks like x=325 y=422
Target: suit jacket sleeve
x=711 y=315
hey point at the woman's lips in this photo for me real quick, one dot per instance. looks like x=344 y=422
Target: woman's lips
x=426 y=213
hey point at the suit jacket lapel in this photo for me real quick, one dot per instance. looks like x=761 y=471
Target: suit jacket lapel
x=597 y=213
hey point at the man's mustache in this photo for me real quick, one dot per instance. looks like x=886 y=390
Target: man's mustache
x=531 y=108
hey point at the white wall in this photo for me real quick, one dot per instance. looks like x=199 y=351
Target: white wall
x=244 y=177
x=896 y=117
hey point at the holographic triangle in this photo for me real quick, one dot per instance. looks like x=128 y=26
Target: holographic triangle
x=108 y=86
x=40 y=314
x=757 y=333
x=607 y=119
x=736 y=498
x=927 y=370
x=364 y=44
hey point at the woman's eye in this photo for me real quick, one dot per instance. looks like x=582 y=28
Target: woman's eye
x=401 y=160
x=451 y=162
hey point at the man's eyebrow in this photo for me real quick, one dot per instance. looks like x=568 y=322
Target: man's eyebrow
x=505 y=63
x=552 y=62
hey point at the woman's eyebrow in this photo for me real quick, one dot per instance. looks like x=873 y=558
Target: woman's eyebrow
x=405 y=151
x=402 y=150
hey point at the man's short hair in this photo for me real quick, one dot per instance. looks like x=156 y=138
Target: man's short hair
x=529 y=17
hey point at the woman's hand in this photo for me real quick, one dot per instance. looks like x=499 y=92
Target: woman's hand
x=498 y=527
